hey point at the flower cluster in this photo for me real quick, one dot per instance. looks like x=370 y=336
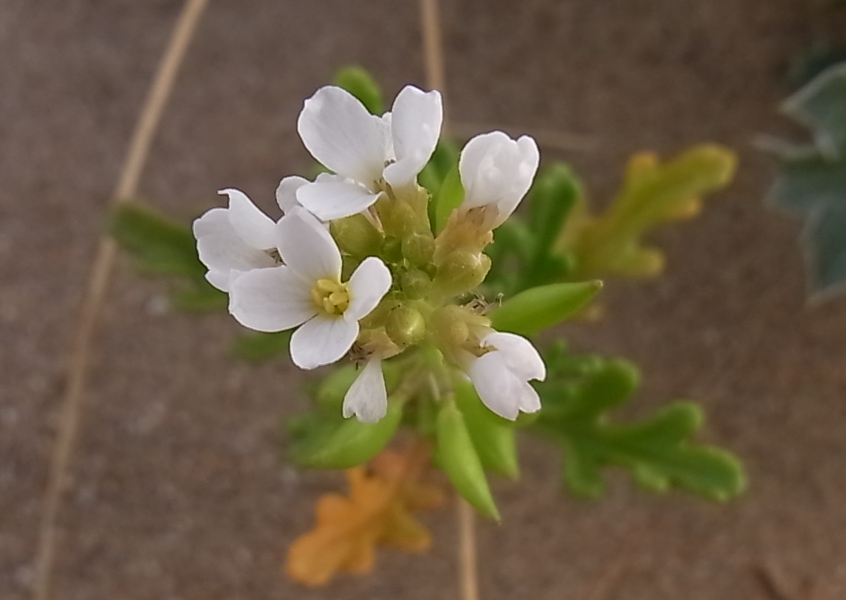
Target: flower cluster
x=356 y=266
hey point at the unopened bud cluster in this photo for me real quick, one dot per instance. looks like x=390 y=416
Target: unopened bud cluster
x=356 y=266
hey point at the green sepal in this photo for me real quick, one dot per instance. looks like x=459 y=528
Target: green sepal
x=358 y=82
x=332 y=444
x=656 y=450
x=449 y=197
x=492 y=436
x=258 y=347
x=458 y=458
x=540 y=308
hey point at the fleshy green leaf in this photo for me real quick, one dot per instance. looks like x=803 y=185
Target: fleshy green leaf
x=492 y=436
x=656 y=450
x=825 y=242
x=553 y=195
x=358 y=82
x=536 y=309
x=159 y=246
x=443 y=159
x=457 y=456
x=811 y=179
x=327 y=441
x=259 y=347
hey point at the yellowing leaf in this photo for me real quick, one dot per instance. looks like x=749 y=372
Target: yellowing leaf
x=653 y=193
x=378 y=511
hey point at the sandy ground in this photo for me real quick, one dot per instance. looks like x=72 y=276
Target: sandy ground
x=178 y=489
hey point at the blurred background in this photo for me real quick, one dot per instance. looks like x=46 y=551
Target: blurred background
x=178 y=489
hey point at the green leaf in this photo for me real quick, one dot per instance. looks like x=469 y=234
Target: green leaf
x=540 y=308
x=553 y=195
x=259 y=347
x=449 y=197
x=358 y=82
x=492 y=436
x=459 y=459
x=157 y=244
x=807 y=180
x=443 y=159
x=820 y=105
x=656 y=450
x=825 y=241
x=330 y=442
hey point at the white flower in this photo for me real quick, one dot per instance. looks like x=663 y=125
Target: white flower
x=367 y=397
x=231 y=241
x=496 y=172
x=501 y=375
x=365 y=151
x=307 y=292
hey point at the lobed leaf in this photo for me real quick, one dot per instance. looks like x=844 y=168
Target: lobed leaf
x=657 y=450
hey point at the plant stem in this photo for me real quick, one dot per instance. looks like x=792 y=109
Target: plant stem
x=79 y=356
x=467 y=551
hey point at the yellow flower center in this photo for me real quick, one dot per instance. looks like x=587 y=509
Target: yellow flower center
x=332 y=297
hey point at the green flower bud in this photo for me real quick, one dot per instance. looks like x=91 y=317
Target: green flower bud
x=462 y=271
x=414 y=283
x=418 y=248
x=392 y=250
x=405 y=326
x=356 y=235
x=449 y=326
x=401 y=219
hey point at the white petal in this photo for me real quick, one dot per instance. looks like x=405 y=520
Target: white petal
x=368 y=285
x=306 y=246
x=367 y=397
x=416 y=122
x=339 y=132
x=254 y=227
x=271 y=299
x=286 y=192
x=529 y=399
x=519 y=355
x=496 y=385
x=223 y=251
x=322 y=341
x=496 y=170
x=329 y=200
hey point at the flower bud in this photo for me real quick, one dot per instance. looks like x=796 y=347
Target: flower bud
x=405 y=326
x=414 y=283
x=400 y=219
x=418 y=248
x=449 y=326
x=392 y=250
x=462 y=270
x=356 y=236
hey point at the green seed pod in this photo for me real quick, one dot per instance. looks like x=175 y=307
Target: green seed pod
x=405 y=326
x=539 y=308
x=493 y=436
x=459 y=460
x=348 y=444
x=418 y=248
x=449 y=325
x=414 y=283
x=356 y=236
x=462 y=271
